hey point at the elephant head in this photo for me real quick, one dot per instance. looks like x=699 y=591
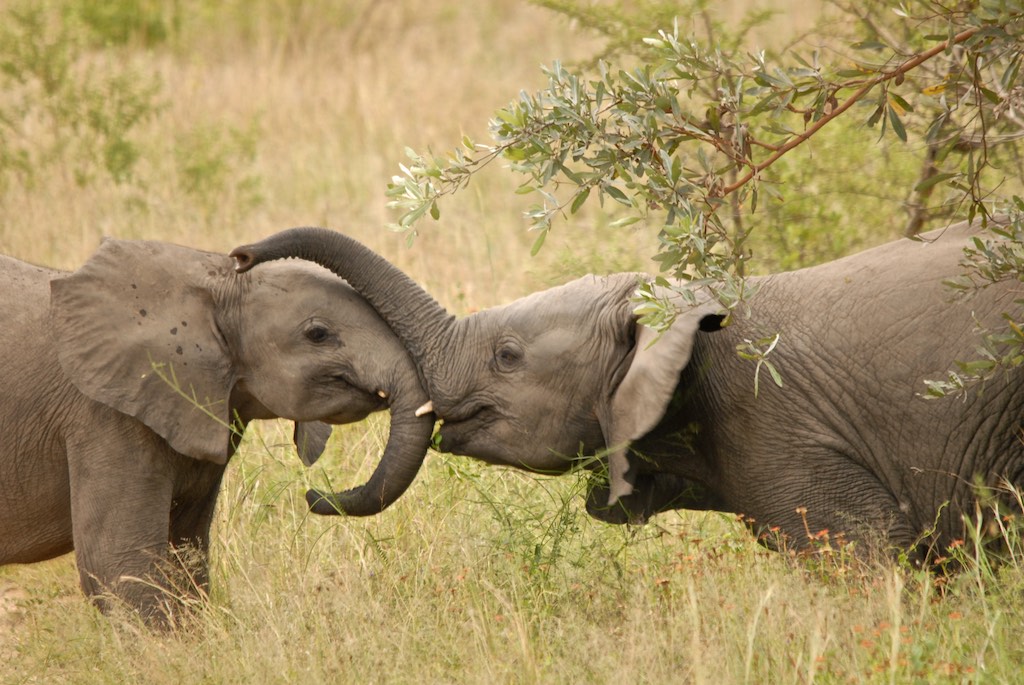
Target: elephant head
x=532 y=384
x=177 y=339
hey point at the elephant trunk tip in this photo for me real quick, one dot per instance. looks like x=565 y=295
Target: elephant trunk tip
x=323 y=504
x=244 y=258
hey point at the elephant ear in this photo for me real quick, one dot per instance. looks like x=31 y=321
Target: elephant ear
x=646 y=389
x=135 y=329
x=310 y=440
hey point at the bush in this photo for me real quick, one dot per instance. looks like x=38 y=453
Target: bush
x=61 y=110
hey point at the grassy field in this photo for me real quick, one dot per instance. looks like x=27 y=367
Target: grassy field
x=286 y=113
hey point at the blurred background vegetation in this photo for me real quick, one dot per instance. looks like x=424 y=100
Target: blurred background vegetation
x=216 y=123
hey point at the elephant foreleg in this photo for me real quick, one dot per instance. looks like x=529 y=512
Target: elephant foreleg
x=191 y=518
x=121 y=490
x=652 y=493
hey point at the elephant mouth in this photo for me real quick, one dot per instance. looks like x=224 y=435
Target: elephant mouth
x=460 y=427
x=356 y=399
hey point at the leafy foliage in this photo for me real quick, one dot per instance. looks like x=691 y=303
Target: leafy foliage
x=149 y=22
x=59 y=108
x=987 y=261
x=690 y=137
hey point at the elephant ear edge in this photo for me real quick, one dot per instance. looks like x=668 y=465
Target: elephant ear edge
x=643 y=395
x=135 y=330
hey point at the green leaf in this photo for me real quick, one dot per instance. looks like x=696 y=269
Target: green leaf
x=1009 y=77
x=897 y=125
x=539 y=242
x=901 y=102
x=617 y=195
x=580 y=198
x=933 y=181
x=624 y=221
x=507 y=116
x=875 y=116
x=991 y=96
x=515 y=154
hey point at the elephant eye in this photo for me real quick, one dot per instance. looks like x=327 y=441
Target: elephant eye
x=317 y=334
x=507 y=356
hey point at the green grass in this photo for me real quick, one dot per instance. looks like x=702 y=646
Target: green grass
x=482 y=575
x=276 y=114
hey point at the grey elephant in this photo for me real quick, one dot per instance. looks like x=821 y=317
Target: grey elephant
x=128 y=383
x=845 y=445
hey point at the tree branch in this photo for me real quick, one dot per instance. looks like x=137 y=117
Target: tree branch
x=799 y=138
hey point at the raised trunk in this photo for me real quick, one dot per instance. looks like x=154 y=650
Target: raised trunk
x=423 y=326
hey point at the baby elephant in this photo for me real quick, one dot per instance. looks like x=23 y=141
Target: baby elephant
x=127 y=385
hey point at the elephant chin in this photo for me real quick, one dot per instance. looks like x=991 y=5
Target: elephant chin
x=470 y=438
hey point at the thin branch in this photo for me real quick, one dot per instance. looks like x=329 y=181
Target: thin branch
x=799 y=138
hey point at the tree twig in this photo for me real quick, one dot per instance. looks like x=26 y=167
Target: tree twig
x=799 y=138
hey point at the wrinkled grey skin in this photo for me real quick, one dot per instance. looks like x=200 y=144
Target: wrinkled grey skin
x=100 y=453
x=847 y=441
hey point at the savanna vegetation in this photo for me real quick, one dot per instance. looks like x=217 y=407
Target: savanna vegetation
x=213 y=124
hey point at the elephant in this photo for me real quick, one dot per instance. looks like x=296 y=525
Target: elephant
x=129 y=383
x=847 y=444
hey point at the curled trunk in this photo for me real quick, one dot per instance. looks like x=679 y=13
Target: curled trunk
x=416 y=318
x=407 y=446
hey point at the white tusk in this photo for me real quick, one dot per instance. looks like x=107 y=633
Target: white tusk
x=382 y=394
x=425 y=409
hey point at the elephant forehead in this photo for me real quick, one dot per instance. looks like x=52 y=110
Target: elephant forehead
x=586 y=292
x=297 y=279
x=562 y=347
x=582 y=307
x=288 y=271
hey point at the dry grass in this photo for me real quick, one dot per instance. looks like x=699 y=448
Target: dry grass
x=477 y=574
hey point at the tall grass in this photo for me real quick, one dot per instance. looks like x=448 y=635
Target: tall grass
x=282 y=113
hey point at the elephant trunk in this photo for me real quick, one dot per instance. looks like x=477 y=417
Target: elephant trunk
x=423 y=326
x=407 y=446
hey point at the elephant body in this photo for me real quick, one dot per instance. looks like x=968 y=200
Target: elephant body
x=128 y=383
x=847 y=444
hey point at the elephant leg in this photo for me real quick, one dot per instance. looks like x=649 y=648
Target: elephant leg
x=652 y=493
x=191 y=518
x=122 y=483
x=823 y=499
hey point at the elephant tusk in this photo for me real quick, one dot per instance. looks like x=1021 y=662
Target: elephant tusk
x=382 y=394
x=425 y=409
